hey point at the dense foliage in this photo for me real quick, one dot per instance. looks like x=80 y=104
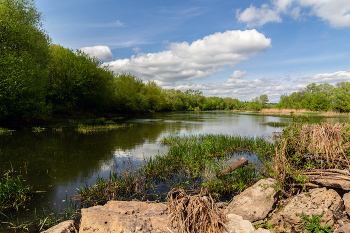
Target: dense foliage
x=320 y=97
x=39 y=79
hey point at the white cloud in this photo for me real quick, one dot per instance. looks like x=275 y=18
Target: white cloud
x=257 y=17
x=136 y=49
x=336 y=12
x=339 y=76
x=201 y=58
x=100 y=51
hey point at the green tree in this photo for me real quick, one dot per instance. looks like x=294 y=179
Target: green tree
x=77 y=81
x=24 y=56
x=264 y=99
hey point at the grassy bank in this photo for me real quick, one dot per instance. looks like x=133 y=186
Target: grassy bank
x=193 y=163
x=287 y=112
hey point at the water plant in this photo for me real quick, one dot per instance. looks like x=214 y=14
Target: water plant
x=5 y=131
x=99 y=128
x=13 y=193
x=192 y=163
x=37 y=129
x=277 y=124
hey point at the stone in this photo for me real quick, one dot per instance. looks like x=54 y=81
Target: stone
x=316 y=201
x=343 y=229
x=346 y=199
x=125 y=217
x=254 y=203
x=236 y=224
x=63 y=227
x=333 y=182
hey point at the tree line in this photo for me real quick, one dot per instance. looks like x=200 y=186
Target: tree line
x=322 y=97
x=39 y=79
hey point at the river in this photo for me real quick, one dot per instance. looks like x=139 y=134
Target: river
x=55 y=164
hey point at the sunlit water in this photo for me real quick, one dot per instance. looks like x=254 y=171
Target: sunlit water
x=55 y=164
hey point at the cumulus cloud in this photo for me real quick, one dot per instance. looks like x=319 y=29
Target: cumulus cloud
x=258 y=16
x=335 y=12
x=339 y=76
x=201 y=58
x=100 y=51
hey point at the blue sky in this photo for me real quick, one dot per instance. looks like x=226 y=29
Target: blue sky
x=240 y=49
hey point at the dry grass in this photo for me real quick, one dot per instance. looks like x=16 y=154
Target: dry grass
x=194 y=214
x=287 y=111
x=276 y=111
x=309 y=147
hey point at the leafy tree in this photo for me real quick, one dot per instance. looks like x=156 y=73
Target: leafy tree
x=78 y=81
x=264 y=99
x=24 y=56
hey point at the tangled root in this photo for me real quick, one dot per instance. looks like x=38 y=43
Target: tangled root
x=194 y=214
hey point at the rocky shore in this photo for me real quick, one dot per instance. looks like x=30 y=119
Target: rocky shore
x=253 y=210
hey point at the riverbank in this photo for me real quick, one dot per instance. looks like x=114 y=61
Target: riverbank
x=306 y=112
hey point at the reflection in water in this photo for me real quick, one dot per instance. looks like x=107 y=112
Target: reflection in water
x=57 y=163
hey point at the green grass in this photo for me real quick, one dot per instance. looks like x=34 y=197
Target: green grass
x=276 y=124
x=99 y=128
x=5 y=131
x=13 y=193
x=193 y=163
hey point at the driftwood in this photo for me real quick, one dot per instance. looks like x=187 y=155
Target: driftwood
x=333 y=178
x=239 y=163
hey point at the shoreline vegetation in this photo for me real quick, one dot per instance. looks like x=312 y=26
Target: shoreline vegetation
x=194 y=163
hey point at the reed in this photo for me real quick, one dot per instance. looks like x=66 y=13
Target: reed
x=99 y=128
x=304 y=147
x=192 y=163
x=4 y=131
x=13 y=193
x=277 y=124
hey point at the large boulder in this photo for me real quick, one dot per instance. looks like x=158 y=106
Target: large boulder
x=316 y=202
x=254 y=203
x=124 y=217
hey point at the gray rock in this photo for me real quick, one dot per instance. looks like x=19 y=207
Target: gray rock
x=255 y=202
x=63 y=227
x=123 y=216
x=317 y=201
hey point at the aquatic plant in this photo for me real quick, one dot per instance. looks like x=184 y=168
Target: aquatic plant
x=13 y=193
x=192 y=163
x=5 y=131
x=276 y=124
x=99 y=128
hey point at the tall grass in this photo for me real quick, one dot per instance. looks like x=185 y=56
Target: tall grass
x=192 y=163
x=13 y=193
x=98 y=128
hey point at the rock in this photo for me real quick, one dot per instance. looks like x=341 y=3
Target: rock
x=236 y=224
x=63 y=227
x=123 y=216
x=343 y=229
x=333 y=182
x=239 y=163
x=255 y=202
x=346 y=199
x=317 y=201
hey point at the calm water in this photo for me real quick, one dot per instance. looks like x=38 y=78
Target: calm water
x=55 y=164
